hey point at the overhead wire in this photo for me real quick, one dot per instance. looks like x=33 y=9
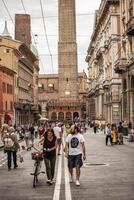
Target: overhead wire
x=44 y=25
x=56 y=16
x=26 y=13
x=8 y=11
x=23 y=6
x=54 y=35
x=33 y=36
x=57 y=54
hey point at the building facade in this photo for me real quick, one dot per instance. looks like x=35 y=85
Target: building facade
x=49 y=95
x=6 y=95
x=124 y=64
x=17 y=56
x=104 y=96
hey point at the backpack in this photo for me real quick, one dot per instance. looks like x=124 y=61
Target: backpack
x=8 y=141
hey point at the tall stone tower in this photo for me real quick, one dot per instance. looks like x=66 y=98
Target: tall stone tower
x=23 y=28
x=67 y=51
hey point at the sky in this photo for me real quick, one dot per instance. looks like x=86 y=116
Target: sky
x=46 y=39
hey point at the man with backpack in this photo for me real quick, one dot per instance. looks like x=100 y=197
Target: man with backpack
x=11 y=147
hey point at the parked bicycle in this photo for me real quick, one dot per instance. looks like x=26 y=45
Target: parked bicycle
x=38 y=157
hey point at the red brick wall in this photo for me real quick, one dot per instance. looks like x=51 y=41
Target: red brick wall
x=6 y=96
x=23 y=28
x=1 y=99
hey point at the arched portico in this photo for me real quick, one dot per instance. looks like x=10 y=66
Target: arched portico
x=124 y=100
x=53 y=116
x=68 y=116
x=75 y=116
x=61 y=116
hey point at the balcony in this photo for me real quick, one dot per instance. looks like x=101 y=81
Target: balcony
x=130 y=27
x=120 y=65
x=106 y=84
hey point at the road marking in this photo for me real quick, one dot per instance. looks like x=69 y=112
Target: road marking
x=67 y=184
x=56 y=195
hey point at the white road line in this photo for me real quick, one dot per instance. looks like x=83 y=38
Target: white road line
x=67 y=184
x=56 y=195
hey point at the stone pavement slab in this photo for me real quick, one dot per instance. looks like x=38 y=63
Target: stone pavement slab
x=114 y=181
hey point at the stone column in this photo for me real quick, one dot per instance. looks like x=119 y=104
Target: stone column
x=132 y=107
x=100 y=103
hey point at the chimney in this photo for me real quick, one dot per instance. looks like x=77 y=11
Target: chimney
x=23 y=28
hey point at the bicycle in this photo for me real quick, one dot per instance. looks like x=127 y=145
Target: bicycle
x=38 y=157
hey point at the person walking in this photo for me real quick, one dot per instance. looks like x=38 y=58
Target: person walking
x=49 y=150
x=11 y=147
x=27 y=138
x=95 y=128
x=31 y=130
x=36 y=131
x=58 y=133
x=108 y=134
x=114 y=134
x=41 y=131
x=74 y=149
x=120 y=133
x=4 y=130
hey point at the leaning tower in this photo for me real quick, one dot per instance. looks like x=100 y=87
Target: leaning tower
x=67 y=51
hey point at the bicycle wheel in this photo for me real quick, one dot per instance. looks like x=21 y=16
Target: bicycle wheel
x=35 y=179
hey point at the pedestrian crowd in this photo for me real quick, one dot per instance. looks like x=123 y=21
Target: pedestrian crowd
x=115 y=132
x=50 y=138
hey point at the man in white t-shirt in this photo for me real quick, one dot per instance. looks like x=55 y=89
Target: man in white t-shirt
x=74 y=149
x=58 y=134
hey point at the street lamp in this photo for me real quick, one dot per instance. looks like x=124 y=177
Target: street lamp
x=67 y=93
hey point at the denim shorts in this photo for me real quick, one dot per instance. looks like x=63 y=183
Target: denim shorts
x=75 y=161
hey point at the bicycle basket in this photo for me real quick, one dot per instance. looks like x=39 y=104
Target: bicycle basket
x=37 y=156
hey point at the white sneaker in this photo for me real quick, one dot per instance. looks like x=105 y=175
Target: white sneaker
x=77 y=183
x=71 y=179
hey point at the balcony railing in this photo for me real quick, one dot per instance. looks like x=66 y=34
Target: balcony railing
x=120 y=65
x=57 y=103
x=130 y=27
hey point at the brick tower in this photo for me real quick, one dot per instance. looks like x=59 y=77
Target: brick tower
x=23 y=28
x=67 y=51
